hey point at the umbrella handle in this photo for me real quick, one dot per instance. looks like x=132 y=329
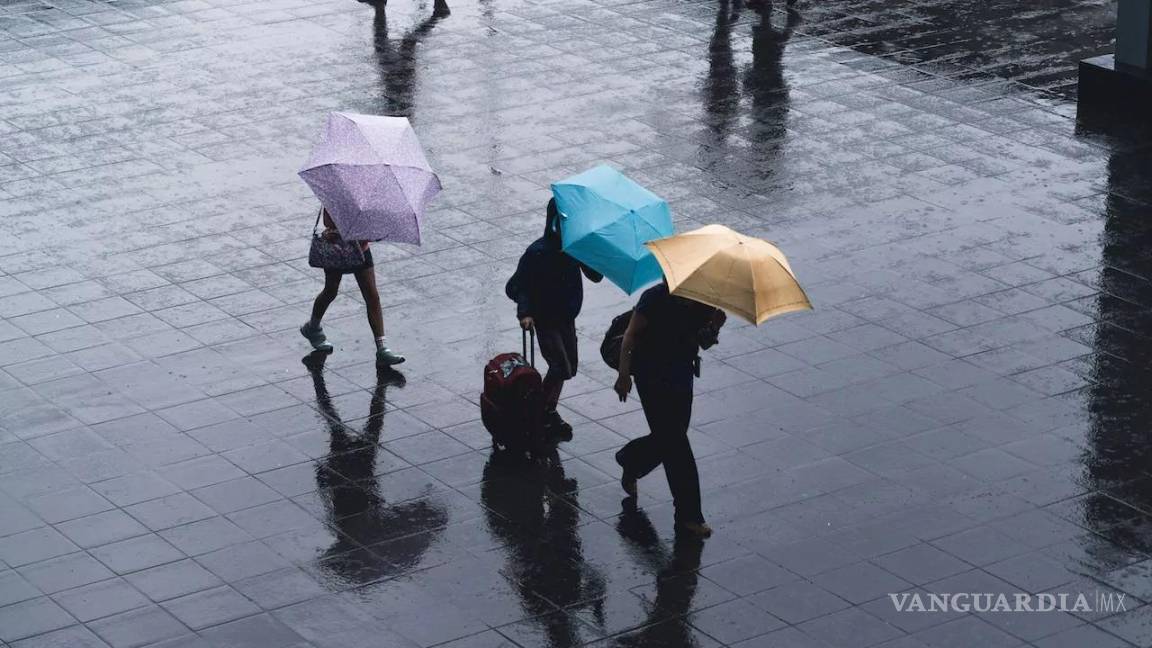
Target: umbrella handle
x=524 y=341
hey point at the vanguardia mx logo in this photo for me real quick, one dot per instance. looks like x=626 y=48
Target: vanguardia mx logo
x=1097 y=601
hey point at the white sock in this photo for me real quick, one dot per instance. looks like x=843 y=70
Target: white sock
x=381 y=343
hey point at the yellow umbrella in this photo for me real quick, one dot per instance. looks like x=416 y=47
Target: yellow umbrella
x=747 y=276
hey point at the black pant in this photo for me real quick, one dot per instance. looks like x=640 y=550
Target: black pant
x=666 y=397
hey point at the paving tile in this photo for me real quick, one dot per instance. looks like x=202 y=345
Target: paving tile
x=136 y=553
x=735 y=621
x=65 y=572
x=851 y=627
x=966 y=631
x=210 y=607
x=921 y=564
x=33 y=546
x=260 y=630
x=32 y=617
x=171 y=580
x=170 y=511
x=138 y=628
x=14 y=588
x=798 y=602
x=860 y=582
x=98 y=600
x=76 y=636
x=101 y=529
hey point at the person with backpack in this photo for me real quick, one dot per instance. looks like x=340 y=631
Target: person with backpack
x=660 y=349
x=549 y=292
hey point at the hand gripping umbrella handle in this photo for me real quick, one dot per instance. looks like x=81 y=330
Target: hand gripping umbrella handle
x=524 y=334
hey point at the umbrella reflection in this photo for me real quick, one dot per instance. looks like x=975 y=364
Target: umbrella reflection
x=397 y=62
x=529 y=508
x=354 y=506
x=676 y=581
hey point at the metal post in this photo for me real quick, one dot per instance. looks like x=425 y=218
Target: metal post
x=1134 y=34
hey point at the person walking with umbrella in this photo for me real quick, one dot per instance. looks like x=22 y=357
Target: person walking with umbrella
x=704 y=270
x=549 y=293
x=365 y=276
x=660 y=350
x=374 y=182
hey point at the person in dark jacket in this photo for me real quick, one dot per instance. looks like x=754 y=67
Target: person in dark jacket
x=549 y=292
x=661 y=349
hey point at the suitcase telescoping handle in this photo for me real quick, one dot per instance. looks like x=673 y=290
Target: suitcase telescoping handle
x=529 y=346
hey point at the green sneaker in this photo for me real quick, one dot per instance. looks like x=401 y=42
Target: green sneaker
x=315 y=336
x=387 y=357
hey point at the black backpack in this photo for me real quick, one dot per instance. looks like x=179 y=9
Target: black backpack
x=614 y=339
x=707 y=337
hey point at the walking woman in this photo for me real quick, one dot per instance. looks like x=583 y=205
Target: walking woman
x=661 y=349
x=366 y=278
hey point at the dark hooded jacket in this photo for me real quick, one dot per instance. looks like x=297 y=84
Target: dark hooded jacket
x=547 y=285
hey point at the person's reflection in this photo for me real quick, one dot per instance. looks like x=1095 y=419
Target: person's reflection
x=397 y=62
x=676 y=580
x=528 y=508
x=355 y=508
x=765 y=85
x=721 y=92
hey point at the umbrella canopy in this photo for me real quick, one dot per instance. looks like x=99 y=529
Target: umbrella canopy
x=747 y=276
x=605 y=220
x=371 y=175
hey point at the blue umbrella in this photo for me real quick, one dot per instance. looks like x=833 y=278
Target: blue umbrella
x=606 y=219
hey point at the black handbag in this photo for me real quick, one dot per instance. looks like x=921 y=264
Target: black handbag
x=331 y=252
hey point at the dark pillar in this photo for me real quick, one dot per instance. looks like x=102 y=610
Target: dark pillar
x=1122 y=82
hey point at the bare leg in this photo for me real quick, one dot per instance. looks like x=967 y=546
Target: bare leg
x=324 y=299
x=366 y=279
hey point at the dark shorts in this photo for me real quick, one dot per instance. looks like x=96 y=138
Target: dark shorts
x=558 y=346
x=368 y=263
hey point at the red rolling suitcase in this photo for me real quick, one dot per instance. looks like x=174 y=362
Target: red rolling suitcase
x=512 y=405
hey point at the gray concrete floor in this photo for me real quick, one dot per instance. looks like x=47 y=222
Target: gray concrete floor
x=966 y=410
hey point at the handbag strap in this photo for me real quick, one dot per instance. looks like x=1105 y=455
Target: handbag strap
x=317 y=224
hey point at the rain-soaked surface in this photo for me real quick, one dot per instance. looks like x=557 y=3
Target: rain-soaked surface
x=967 y=409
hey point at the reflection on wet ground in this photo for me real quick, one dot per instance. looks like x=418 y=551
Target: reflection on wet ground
x=355 y=507
x=965 y=411
x=1037 y=47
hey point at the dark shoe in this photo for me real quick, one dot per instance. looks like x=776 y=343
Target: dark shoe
x=628 y=483
x=627 y=479
x=694 y=529
x=315 y=336
x=556 y=427
x=387 y=357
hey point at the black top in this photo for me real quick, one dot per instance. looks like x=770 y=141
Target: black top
x=671 y=337
x=547 y=284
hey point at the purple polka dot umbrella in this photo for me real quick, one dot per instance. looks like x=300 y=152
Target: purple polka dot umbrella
x=371 y=175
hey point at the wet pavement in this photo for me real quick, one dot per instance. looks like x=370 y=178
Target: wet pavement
x=966 y=410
